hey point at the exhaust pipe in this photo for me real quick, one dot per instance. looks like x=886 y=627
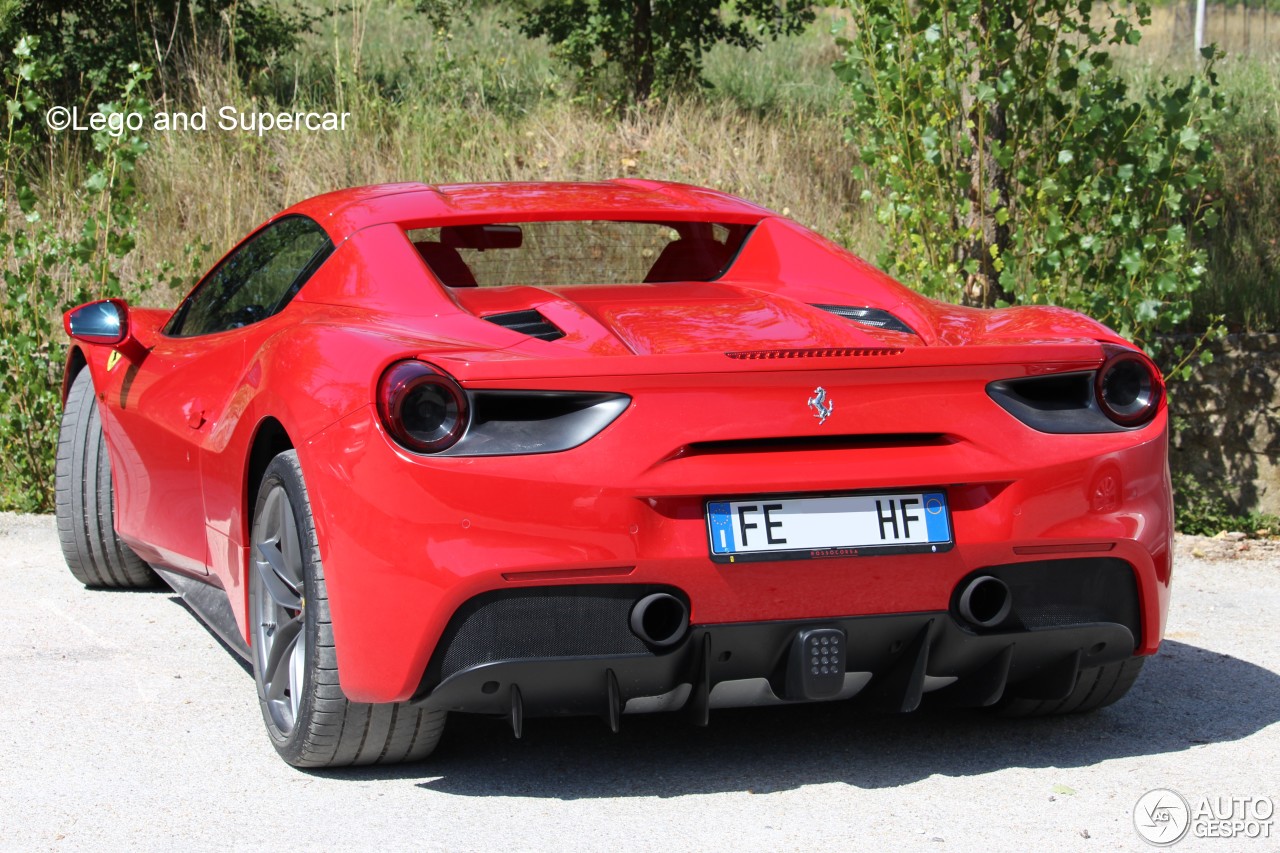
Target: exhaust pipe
x=660 y=619
x=985 y=601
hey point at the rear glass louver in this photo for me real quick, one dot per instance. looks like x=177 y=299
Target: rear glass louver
x=529 y=323
x=869 y=317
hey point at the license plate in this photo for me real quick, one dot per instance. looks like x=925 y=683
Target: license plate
x=806 y=528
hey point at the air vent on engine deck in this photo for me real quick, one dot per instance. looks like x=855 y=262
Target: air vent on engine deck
x=529 y=323
x=814 y=352
x=876 y=317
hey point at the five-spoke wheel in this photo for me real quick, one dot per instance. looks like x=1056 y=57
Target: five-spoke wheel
x=278 y=598
x=310 y=721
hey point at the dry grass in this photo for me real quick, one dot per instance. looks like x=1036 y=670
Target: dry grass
x=213 y=187
x=490 y=104
x=1240 y=30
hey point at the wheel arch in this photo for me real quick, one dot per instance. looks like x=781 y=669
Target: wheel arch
x=270 y=439
x=76 y=362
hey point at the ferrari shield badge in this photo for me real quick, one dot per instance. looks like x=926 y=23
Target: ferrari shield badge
x=821 y=406
x=114 y=359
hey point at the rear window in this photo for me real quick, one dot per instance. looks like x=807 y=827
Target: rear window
x=554 y=254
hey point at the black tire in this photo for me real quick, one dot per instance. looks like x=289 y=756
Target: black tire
x=83 y=499
x=1096 y=688
x=309 y=720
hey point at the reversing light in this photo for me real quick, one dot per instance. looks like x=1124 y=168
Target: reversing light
x=423 y=409
x=1128 y=388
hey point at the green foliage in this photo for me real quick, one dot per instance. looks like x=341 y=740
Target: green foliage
x=1201 y=510
x=785 y=77
x=97 y=40
x=632 y=49
x=1244 y=251
x=35 y=256
x=1011 y=163
x=442 y=13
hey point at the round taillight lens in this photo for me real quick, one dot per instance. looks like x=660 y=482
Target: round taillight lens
x=423 y=409
x=1129 y=389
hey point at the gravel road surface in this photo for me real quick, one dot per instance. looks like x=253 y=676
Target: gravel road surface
x=128 y=726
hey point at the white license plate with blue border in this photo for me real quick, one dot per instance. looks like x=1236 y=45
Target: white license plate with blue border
x=825 y=526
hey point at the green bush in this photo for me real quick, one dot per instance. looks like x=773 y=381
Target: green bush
x=87 y=41
x=634 y=49
x=1244 y=253
x=36 y=258
x=1201 y=510
x=1011 y=163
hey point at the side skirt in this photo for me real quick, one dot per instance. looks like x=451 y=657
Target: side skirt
x=211 y=605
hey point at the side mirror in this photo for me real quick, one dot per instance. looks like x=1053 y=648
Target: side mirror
x=102 y=322
x=106 y=323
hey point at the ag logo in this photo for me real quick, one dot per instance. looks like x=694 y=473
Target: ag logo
x=822 y=407
x=1161 y=817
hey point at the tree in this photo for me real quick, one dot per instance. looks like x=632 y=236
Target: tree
x=1011 y=163
x=653 y=47
x=96 y=41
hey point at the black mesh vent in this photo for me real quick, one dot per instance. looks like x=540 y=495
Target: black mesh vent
x=529 y=323
x=1061 y=616
x=1062 y=593
x=541 y=623
x=869 y=317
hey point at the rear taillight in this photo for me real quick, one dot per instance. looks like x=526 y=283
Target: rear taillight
x=1128 y=388
x=423 y=409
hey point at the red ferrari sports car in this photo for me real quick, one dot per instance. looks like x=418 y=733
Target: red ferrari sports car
x=612 y=448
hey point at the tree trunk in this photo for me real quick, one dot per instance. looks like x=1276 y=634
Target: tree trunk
x=988 y=125
x=641 y=51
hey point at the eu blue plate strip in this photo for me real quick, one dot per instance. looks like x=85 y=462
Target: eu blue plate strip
x=721 y=528
x=935 y=517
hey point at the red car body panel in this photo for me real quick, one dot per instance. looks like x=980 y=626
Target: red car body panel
x=717 y=373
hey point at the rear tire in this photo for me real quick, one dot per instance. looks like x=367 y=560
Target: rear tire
x=1096 y=688
x=310 y=721
x=84 y=502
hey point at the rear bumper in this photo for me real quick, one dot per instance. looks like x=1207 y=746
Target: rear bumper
x=407 y=541
x=569 y=650
x=893 y=663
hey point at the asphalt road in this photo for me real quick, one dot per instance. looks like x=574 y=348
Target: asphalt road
x=128 y=726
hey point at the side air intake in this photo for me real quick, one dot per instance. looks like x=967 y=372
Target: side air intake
x=869 y=317
x=529 y=323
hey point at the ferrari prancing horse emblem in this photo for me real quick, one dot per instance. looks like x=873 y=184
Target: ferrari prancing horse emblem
x=112 y=359
x=821 y=406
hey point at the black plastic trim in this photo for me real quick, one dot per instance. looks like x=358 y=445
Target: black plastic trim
x=527 y=322
x=1046 y=593
x=899 y=649
x=1059 y=403
x=210 y=603
x=803 y=443
x=581 y=620
x=522 y=423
